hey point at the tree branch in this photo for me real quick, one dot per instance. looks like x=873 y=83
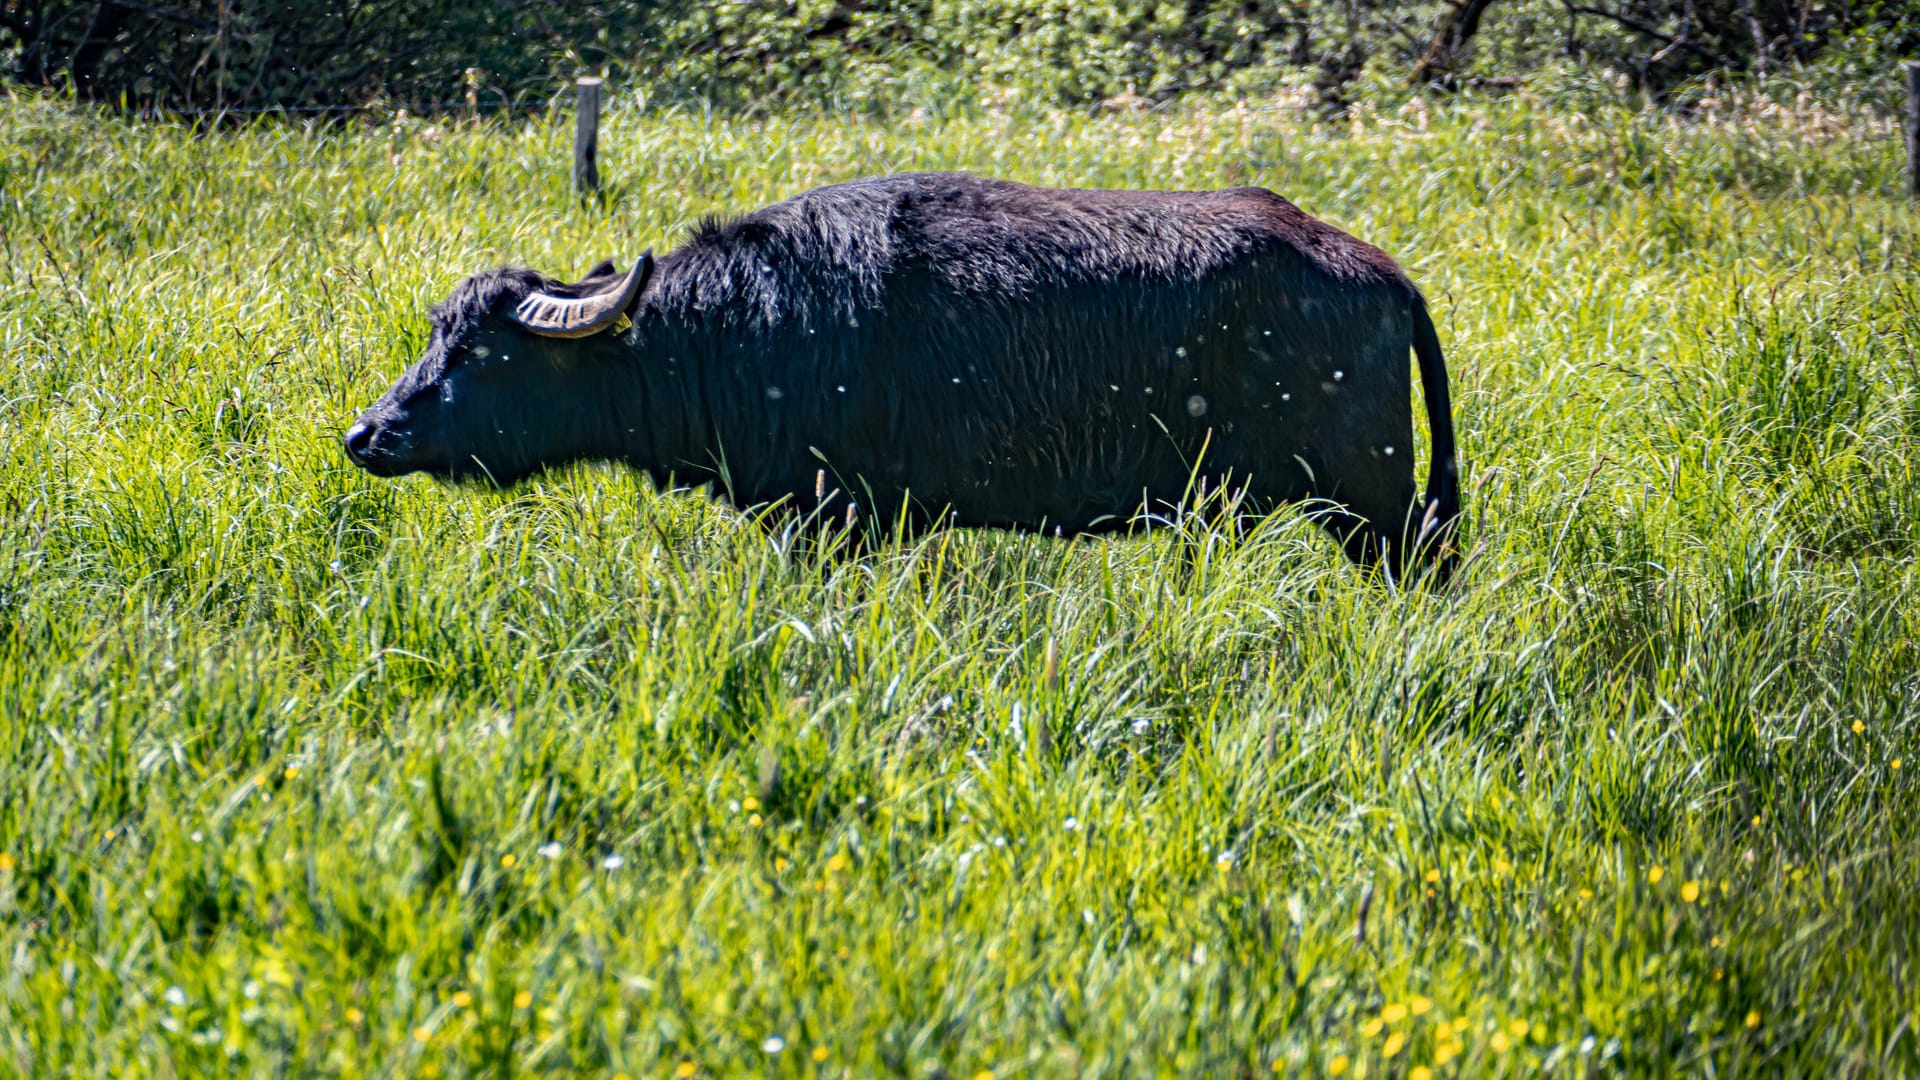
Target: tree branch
x=1641 y=28
x=1456 y=27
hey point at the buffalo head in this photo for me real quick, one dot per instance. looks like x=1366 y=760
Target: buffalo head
x=507 y=385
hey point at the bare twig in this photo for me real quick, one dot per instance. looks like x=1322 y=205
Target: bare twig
x=1647 y=31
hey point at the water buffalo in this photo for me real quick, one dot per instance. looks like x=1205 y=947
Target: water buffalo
x=944 y=347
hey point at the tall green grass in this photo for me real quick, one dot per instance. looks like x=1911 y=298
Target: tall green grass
x=307 y=772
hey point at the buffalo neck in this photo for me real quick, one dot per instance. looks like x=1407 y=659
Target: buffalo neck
x=658 y=403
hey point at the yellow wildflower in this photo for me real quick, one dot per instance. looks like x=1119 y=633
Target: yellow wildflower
x=753 y=821
x=837 y=863
x=1419 y=1006
x=1338 y=1066
x=781 y=865
x=1433 y=877
x=1519 y=1028
x=523 y=999
x=749 y=804
x=6 y=862
x=292 y=771
x=1372 y=1027
x=1753 y=1018
x=462 y=999
x=1501 y=866
x=983 y=1074
x=1394 y=1042
x=1690 y=891
x=1858 y=727
x=1445 y=1052
x=1419 y=1072
x=1895 y=763
x=509 y=859
x=354 y=1016
x=1586 y=894
x=1393 y=1013
x=821 y=1053
x=685 y=1069
x=421 y=1034
x=1500 y=1043
x=1654 y=875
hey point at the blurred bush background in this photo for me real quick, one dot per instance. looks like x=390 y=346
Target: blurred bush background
x=251 y=54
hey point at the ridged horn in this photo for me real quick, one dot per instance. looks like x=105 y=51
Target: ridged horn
x=583 y=316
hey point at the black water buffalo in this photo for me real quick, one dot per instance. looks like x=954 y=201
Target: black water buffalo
x=942 y=347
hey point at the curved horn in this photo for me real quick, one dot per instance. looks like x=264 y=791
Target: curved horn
x=582 y=316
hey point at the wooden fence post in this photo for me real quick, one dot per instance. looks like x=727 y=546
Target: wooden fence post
x=586 y=136
x=1913 y=128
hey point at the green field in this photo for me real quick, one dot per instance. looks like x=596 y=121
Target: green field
x=304 y=772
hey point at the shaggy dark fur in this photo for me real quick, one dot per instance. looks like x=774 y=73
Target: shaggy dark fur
x=946 y=345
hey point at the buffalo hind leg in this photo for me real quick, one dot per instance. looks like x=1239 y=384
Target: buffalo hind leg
x=1388 y=540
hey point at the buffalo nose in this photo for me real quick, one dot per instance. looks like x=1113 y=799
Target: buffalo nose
x=360 y=441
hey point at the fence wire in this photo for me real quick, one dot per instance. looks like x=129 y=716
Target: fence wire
x=424 y=108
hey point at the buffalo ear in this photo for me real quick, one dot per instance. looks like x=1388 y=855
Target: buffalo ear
x=604 y=269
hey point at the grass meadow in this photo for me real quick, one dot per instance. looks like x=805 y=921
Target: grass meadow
x=308 y=773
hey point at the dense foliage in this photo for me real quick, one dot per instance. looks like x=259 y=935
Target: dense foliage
x=214 y=54
x=211 y=54
x=308 y=773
